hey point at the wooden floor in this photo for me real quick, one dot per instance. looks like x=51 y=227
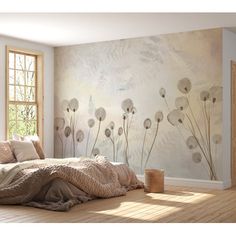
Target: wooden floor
x=177 y=204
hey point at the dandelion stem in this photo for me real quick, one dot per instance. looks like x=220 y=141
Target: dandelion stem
x=144 y=139
x=113 y=145
x=99 y=126
x=205 y=120
x=131 y=119
x=194 y=118
x=204 y=154
x=153 y=142
x=182 y=136
x=191 y=123
x=117 y=142
x=86 y=152
x=126 y=148
x=73 y=134
x=166 y=104
x=60 y=138
x=114 y=156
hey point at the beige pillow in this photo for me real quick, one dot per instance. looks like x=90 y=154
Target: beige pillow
x=24 y=150
x=6 y=154
x=38 y=149
x=36 y=142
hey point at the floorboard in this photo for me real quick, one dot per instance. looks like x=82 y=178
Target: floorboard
x=176 y=204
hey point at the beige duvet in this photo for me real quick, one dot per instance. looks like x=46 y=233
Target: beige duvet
x=58 y=184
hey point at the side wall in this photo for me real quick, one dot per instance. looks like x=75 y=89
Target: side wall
x=48 y=87
x=229 y=53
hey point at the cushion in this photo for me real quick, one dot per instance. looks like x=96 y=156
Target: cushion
x=38 y=149
x=24 y=150
x=36 y=142
x=6 y=154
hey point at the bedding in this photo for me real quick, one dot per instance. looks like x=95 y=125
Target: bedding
x=59 y=184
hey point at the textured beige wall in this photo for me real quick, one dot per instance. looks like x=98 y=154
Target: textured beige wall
x=104 y=74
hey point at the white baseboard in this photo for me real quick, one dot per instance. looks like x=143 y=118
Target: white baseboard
x=198 y=183
x=227 y=184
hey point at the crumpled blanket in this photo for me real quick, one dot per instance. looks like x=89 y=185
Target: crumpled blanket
x=58 y=187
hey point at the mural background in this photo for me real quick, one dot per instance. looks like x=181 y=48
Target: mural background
x=105 y=74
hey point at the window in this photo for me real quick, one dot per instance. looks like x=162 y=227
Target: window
x=24 y=93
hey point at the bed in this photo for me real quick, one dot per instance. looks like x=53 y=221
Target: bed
x=59 y=184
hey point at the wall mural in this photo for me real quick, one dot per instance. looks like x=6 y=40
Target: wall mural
x=152 y=102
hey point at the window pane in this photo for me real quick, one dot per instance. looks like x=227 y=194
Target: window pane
x=26 y=128
x=30 y=78
x=20 y=94
x=30 y=94
x=12 y=112
x=22 y=128
x=12 y=128
x=32 y=112
x=20 y=62
x=20 y=80
x=32 y=128
x=11 y=77
x=26 y=112
x=11 y=60
x=21 y=112
x=30 y=63
x=11 y=93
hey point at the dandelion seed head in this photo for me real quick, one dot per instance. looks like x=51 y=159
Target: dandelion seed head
x=79 y=136
x=184 y=85
x=96 y=152
x=59 y=123
x=120 y=131
x=181 y=103
x=162 y=92
x=147 y=123
x=196 y=157
x=67 y=131
x=107 y=132
x=216 y=94
x=100 y=114
x=65 y=105
x=175 y=117
x=127 y=105
x=112 y=125
x=159 y=116
x=204 y=96
x=217 y=138
x=191 y=142
x=91 y=123
x=74 y=104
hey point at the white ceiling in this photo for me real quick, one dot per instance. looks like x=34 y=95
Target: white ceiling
x=59 y=29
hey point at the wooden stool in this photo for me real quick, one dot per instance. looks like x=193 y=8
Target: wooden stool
x=154 y=181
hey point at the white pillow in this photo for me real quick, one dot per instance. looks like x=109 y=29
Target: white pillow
x=24 y=150
x=17 y=137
